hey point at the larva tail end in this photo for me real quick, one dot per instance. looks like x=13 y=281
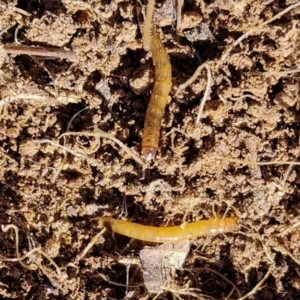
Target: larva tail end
x=149 y=153
x=146 y=47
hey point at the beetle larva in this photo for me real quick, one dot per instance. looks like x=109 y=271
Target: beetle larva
x=159 y=96
x=153 y=234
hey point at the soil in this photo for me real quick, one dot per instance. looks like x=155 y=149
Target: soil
x=239 y=160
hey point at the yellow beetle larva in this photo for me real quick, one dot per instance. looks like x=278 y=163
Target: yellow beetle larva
x=153 y=234
x=159 y=96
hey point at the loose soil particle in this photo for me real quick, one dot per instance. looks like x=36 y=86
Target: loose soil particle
x=52 y=187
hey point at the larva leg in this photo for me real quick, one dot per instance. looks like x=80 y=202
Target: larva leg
x=158 y=99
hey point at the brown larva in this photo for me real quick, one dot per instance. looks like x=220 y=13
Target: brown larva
x=153 y=234
x=159 y=96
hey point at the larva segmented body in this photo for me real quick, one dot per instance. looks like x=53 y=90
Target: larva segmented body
x=159 y=96
x=169 y=234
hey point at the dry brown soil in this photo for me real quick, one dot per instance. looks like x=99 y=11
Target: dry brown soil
x=52 y=187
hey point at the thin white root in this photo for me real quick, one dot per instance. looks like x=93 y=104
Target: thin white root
x=207 y=89
x=185 y=290
x=283 y=251
x=207 y=269
x=100 y=133
x=58 y=170
x=4 y=285
x=289 y=229
x=20 y=259
x=147 y=26
x=22 y=97
x=258 y=163
x=94 y=134
x=93 y=241
x=288 y=172
x=257 y=287
x=104 y=277
x=278 y=73
x=35 y=250
x=5 y=228
x=256 y=29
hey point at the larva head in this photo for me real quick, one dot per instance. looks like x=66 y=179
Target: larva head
x=228 y=224
x=150 y=142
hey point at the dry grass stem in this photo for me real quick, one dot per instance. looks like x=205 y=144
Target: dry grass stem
x=39 y=51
